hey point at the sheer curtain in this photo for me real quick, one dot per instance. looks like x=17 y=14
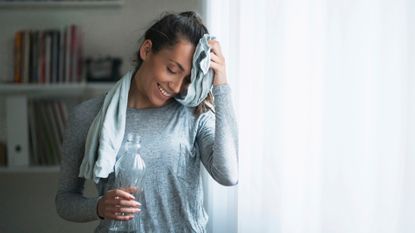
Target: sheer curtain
x=325 y=97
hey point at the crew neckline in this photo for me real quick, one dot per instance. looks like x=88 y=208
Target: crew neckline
x=170 y=103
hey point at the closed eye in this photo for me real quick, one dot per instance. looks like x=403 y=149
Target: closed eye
x=171 y=71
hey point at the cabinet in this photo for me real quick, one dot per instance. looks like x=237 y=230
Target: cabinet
x=17 y=115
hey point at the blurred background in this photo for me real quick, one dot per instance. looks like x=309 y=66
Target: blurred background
x=324 y=92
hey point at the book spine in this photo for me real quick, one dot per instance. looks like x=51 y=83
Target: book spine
x=18 y=57
x=35 y=57
x=41 y=57
x=30 y=69
x=74 y=53
x=47 y=57
x=40 y=135
x=54 y=69
x=80 y=55
x=33 y=142
x=67 y=54
x=61 y=55
x=26 y=56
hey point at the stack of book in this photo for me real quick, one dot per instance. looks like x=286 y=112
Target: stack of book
x=48 y=56
x=47 y=121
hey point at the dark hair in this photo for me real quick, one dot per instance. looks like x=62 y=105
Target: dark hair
x=170 y=29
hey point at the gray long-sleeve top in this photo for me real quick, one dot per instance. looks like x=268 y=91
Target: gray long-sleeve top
x=174 y=141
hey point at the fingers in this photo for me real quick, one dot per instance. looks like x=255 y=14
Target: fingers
x=217 y=63
x=122 y=210
x=119 y=205
x=215 y=47
x=216 y=59
x=131 y=190
x=120 y=213
x=119 y=217
x=121 y=194
x=122 y=202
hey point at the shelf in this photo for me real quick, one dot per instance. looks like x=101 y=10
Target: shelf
x=33 y=169
x=61 y=4
x=61 y=89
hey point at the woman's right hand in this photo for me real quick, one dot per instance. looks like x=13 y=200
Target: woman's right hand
x=118 y=204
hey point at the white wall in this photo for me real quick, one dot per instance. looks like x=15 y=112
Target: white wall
x=27 y=200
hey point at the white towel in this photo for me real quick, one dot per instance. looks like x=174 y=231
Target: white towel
x=201 y=76
x=106 y=133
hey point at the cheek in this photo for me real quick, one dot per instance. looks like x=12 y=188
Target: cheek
x=160 y=76
x=160 y=73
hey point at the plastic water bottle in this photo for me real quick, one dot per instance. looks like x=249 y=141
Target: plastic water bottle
x=129 y=173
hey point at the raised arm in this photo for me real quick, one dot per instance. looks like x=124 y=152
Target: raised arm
x=217 y=138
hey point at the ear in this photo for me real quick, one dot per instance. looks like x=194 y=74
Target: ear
x=145 y=49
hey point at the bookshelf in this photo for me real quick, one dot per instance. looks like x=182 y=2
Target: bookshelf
x=49 y=79
x=51 y=90
x=61 y=4
x=17 y=97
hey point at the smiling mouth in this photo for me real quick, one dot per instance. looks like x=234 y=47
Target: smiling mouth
x=163 y=91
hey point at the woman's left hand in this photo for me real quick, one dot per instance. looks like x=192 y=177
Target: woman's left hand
x=217 y=63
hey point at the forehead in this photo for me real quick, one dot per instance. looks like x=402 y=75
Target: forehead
x=181 y=52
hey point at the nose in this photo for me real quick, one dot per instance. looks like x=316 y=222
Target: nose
x=177 y=85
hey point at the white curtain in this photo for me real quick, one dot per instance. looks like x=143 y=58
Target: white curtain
x=325 y=96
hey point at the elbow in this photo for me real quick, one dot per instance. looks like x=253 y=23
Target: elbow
x=229 y=180
x=60 y=207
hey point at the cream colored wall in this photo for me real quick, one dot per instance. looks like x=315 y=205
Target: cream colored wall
x=107 y=30
x=27 y=199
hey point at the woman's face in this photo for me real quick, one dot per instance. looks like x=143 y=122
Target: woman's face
x=164 y=74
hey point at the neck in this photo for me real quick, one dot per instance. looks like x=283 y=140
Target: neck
x=136 y=96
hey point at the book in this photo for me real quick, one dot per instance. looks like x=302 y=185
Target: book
x=25 y=56
x=48 y=56
x=55 y=135
x=67 y=64
x=33 y=142
x=40 y=136
x=18 y=57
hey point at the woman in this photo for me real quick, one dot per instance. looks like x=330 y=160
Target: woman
x=175 y=138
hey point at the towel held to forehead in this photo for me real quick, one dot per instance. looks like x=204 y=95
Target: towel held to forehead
x=106 y=132
x=201 y=76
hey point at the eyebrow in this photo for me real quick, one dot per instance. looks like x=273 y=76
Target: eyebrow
x=178 y=64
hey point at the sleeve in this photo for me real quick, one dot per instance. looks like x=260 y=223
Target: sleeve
x=70 y=201
x=217 y=138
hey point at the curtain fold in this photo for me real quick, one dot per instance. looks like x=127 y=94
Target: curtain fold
x=325 y=98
